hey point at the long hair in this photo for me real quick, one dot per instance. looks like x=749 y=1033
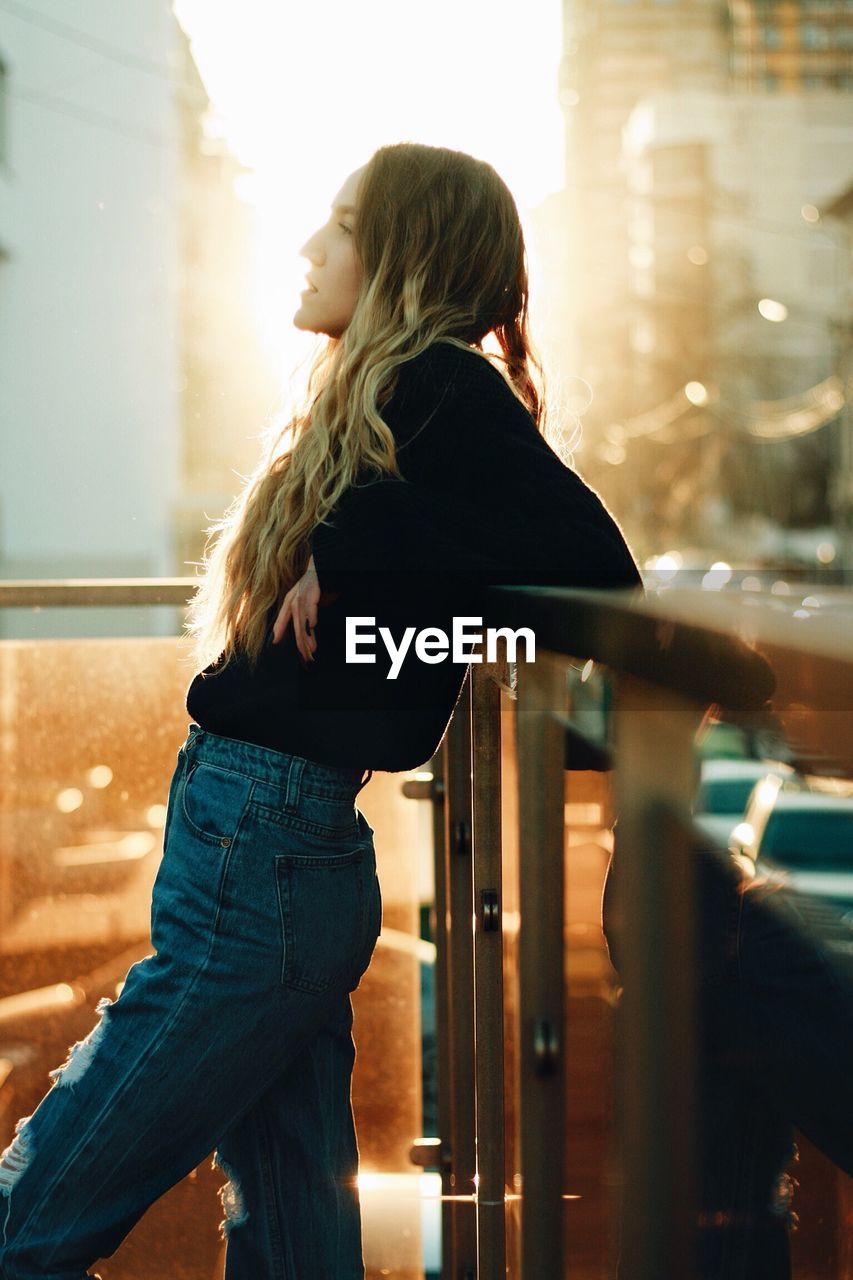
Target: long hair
x=439 y=241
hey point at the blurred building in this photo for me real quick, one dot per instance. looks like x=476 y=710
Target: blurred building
x=681 y=202
x=128 y=363
x=837 y=215
x=792 y=46
x=740 y=291
x=613 y=56
x=229 y=391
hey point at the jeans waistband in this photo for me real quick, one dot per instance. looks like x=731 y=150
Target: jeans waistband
x=294 y=774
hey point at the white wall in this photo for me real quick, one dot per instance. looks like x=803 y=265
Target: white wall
x=89 y=293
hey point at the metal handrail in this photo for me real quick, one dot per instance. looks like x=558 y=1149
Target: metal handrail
x=669 y=655
x=698 y=642
x=95 y=592
x=699 y=624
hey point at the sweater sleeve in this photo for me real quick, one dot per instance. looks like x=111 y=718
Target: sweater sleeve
x=397 y=536
x=484 y=500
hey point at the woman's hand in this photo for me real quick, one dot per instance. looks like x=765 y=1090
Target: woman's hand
x=300 y=606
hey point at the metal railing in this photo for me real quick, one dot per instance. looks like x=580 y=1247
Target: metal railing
x=51 y=593
x=667 y=657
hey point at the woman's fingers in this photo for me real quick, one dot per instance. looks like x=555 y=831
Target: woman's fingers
x=308 y=601
x=305 y=620
x=282 y=619
x=300 y=607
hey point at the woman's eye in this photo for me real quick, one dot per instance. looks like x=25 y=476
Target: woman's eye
x=344 y=227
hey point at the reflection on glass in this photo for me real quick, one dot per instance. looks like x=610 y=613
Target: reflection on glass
x=780 y=1007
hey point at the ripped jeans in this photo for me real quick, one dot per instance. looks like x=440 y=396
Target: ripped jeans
x=235 y=1034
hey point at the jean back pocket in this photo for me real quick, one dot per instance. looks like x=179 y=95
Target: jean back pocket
x=323 y=904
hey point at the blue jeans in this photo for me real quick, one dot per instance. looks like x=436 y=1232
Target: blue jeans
x=234 y=1034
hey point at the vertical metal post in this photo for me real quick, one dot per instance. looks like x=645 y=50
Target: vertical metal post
x=653 y=903
x=460 y=992
x=541 y=1110
x=442 y=1003
x=488 y=973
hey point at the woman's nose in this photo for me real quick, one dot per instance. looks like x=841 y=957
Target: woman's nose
x=312 y=249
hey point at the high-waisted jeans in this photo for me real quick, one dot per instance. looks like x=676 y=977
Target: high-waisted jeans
x=236 y=1034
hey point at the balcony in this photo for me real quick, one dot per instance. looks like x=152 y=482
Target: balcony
x=523 y=1109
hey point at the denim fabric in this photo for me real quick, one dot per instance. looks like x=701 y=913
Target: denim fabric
x=235 y=1034
x=775 y=1007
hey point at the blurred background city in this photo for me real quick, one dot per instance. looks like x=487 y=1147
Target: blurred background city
x=684 y=169
x=684 y=172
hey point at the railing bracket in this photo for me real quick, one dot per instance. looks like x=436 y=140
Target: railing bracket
x=546 y=1047
x=430 y=1153
x=461 y=838
x=490 y=909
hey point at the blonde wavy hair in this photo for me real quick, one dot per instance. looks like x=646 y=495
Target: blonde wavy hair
x=441 y=250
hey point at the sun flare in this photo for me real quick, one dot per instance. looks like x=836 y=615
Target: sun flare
x=303 y=95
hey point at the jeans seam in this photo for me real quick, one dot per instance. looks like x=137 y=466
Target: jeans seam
x=120 y=1093
x=284 y=926
x=341 y=792
x=294 y=821
x=129 y=1080
x=272 y=1207
x=206 y=836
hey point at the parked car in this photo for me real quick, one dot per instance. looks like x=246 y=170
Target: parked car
x=802 y=838
x=724 y=790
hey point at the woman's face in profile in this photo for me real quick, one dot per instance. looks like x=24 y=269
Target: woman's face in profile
x=335 y=274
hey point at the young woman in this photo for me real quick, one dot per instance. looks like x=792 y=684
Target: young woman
x=416 y=474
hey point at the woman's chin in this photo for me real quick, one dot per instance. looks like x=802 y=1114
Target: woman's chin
x=311 y=325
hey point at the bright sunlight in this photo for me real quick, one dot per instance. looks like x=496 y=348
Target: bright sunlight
x=304 y=94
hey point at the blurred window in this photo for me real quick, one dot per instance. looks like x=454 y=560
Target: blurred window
x=771 y=36
x=723 y=741
x=843 y=37
x=809 y=840
x=814 y=36
x=724 y=795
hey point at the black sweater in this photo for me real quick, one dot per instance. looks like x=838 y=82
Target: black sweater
x=484 y=500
